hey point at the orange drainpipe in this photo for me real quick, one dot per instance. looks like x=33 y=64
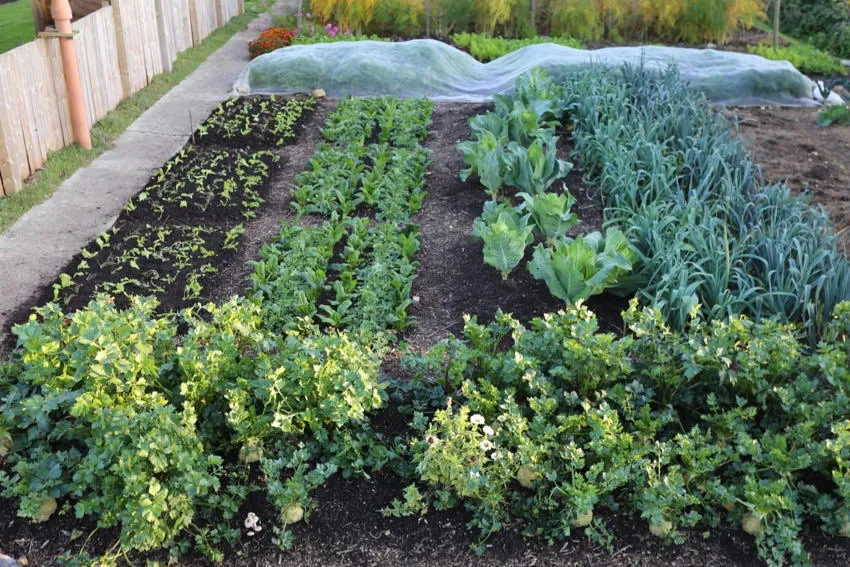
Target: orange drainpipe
x=61 y=12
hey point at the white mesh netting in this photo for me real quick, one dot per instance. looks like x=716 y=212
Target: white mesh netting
x=441 y=72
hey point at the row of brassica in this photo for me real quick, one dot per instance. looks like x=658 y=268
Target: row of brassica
x=515 y=148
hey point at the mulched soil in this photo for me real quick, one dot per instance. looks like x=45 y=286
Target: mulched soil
x=347 y=527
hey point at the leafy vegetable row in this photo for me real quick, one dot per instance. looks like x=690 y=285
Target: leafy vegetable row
x=154 y=423
x=372 y=163
x=254 y=122
x=515 y=146
x=554 y=427
x=193 y=208
x=683 y=188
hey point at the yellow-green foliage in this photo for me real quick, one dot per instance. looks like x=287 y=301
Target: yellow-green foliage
x=353 y=14
x=492 y=13
x=692 y=21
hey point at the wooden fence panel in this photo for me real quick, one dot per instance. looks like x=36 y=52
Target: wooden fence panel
x=175 y=29
x=229 y=9
x=205 y=19
x=120 y=49
x=32 y=122
x=98 y=53
x=138 y=47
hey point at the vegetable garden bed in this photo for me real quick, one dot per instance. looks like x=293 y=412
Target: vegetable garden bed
x=365 y=257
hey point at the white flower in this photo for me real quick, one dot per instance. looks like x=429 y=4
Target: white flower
x=496 y=455
x=488 y=430
x=252 y=524
x=474 y=474
x=486 y=445
x=476 y=419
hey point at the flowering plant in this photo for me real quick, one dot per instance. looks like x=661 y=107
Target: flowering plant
x=270 y=40
x=310 y=27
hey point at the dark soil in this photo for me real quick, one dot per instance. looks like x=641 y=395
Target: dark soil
x=347 y=527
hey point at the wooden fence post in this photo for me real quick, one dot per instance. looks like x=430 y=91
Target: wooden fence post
x=219 y=14
x=123 y=62
x=39 y=18
x=193 y=21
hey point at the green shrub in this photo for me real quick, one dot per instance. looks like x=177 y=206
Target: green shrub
x=730 y=422
x=486 y=48
x=806 y=58
x=824 y=23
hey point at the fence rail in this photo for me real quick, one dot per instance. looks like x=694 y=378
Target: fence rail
x=120 y=49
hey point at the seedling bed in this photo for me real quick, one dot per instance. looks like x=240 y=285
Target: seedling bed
x=255 y=122
x=204 y=184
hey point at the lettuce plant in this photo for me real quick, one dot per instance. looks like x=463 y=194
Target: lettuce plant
x=551 y=213
x=588 y=265
x=484 y=156
x=505 y=234
x=535 y=167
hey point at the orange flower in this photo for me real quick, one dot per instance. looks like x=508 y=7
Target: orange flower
x=269 y=40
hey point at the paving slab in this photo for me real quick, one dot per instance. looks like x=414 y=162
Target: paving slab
x=34 y=250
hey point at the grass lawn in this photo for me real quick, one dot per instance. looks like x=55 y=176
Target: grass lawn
x=16 y=25
x=62 y=164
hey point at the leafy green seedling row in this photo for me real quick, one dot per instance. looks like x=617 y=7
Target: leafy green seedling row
x=375 y=278
x=372 y=159
x=291 y=273
x=400 y=123
x=205 y=183
x=152 y=260
x=381 y=178
x=254 y=122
